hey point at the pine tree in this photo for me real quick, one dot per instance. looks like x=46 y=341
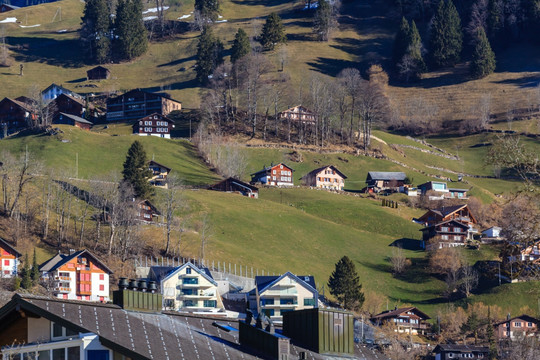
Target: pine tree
x=241 y=46
x=483 y=58
x=26 y=280
x=273 y=32
x=491 y=337
x=415 y=48
x=208 y=9
x=446 y=39
x=209 y=54
x=96 y=30
x=344 y=284
x=494 y=17
x=401 y=42
x=323 y=21
x=132 y=40
x=136 y=171
x=34 y=273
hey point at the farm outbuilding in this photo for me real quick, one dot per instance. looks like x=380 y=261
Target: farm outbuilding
x=98 y=73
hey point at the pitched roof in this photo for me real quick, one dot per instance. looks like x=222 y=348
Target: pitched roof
x=18 y=103
x=60 y=259
x=236 y=182
x=318 y=170
x=4 y=244
x=397 y=312
x=386 y=175
x=60 y=87
x=460 y=348
x=160 y=165
x=152 y=207
x=77 y=118
x=447 y=210
x=264 y=282
x=147 y=92
x=99 y=67
x=204 y=272
x=522 y=317
x=268 y=168
x=306 y=110
x=446 y=222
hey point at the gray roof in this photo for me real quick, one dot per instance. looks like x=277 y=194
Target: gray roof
x=60 y=259
x=158 y=336
x=77 y=118
x=383 y=175
x=6 y=246
x=460 y=348
x=263 y=282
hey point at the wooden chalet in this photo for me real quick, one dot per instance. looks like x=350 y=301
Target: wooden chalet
x=325 y=177
x=159 y=174
x=137 y=104
x=516 y=327
x=98 y=73
x=67 y=104
x=154 y=125
x=383 y=180
x=14 y=116
x=146 y=211
x=9 y=260
x=458 y=351
x=531 y=253
x=298 y=114
x=408 y=320
x=274 y=175
x=54 y=90
x=73 y=120
x=236 y=186
x=460 y=213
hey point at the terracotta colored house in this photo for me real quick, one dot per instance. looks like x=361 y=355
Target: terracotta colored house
x=154 y=125
x=159 y=174
x=9 y=260
x=98 y=73
x=73 y=120
x=299 y=114
x=516 y=327
x=407 y=320
x=236 y=186
x=274 y=175
x=325 y=177
x=137 y=104
x=77 y=276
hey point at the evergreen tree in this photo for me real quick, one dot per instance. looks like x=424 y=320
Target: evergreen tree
x=241 y=46
x=208 y=9
x=273 y=32
x=446 y=39
x=344 y=284
x=323 y=21
x=136 y=171
x=96 y=30
x=494 y=19
x=209 y=54
x=401 y=42
x=483 y=58
x=131 y=37
x=26 y=280
x=491 y=337
x=34 y=273
x=472 y=325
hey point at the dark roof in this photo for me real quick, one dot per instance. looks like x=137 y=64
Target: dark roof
x=523 y=317
x=157 y=336
x=99 y=67
x=262 y=282
x=316 y=171
x=268 y=168
x=23 y=105
x=397 y=312
x=4 y=244
x=446 y=222
x=458 y=190
x=154 y=209
x=165 y=96
x=203 y=271
x=385 y=175
x=447 y=210
x=160 y=165
x=460 y=348
x=60 y=259
x=234 y=181
x=61 y=87
x=76 y=118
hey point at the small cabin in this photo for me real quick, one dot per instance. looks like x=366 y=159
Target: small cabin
x=236 y=186
x=98 y=73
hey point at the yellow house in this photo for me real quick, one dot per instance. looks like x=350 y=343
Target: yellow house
x=188 y=288
x=275 y=295
x=159 y=174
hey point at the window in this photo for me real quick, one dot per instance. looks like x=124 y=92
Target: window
x=268 y=312
x=102 y=277
x=529 y=324
x=273 y=171
x=209 y=303
x=101 y=287
x=6 y=262
x=190 y=281
x=457 y=237
x=444 y=237
x=457 y=229
x=73 y=353
x=44 y=355
x=188 y=270
x=58 y=354
x=309 y=302
x=97 y=355
x=445 y=229
x=190 y=303
x=57 y=330
x=266 y=301
x=517 y=324
x=287 y=301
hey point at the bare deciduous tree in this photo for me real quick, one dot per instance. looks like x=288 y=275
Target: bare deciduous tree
x=468 y=280
x=398 y=260
x=172 y=202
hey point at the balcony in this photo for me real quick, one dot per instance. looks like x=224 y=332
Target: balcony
x=62 y=290
x=279 y=293
x=62 y=278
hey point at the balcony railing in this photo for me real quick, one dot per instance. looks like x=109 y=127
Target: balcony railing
x=62 y=278
x=61 y=289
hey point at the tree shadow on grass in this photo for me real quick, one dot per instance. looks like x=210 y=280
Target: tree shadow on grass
x=524 y=82
x=178 y=61
x=409 y=244
x=79 y=80
x=331 y=66
x=64 y=53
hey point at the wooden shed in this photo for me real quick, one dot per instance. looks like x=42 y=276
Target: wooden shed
x=98 y=73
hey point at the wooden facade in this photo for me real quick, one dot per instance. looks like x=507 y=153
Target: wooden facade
x=298 y=114
x=14 y=116
x=380 y=180
x=146 y=211
x=236 y=186
x=274 y=175
x=460 y=213
x=137 y=104
x=325 y=177
x=449 y=233
x=98 y=73
x=73 y=120
x=154 y=125
x=408 y=320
